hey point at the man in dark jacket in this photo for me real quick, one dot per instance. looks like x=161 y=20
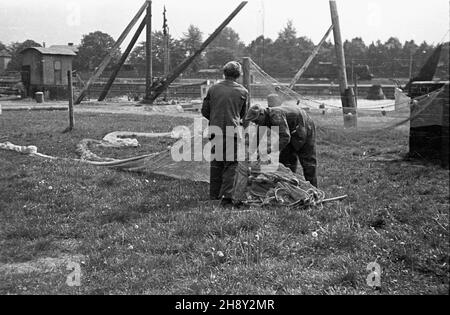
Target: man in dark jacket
x=297 y=136
x=225 y=106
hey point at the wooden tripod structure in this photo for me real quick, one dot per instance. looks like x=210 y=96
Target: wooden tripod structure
x=151 y=93
x=185 y=64
x=109 y=57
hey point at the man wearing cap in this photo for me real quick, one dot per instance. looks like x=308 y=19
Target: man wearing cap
x=297 y=136
x=225 y=106
x=274 y=100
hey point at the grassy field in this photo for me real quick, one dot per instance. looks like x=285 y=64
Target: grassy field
x=145 y=234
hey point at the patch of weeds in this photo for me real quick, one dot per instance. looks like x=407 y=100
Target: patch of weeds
x=347 y=277
x=297 y=223
x=194 y=228
x=379 y=220
x=240 y=225
x=110 y=180
x=122 y=216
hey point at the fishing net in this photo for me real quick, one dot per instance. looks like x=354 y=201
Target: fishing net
x=326 y=110
x=258 y=185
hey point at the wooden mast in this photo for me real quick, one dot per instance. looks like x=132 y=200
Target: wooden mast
x=347 y=94
x=149 y=56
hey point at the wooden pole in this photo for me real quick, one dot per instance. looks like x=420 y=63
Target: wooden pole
x=183 y=66
x=347 y=95
x=166 y=48
x=443 y=99
x=70 y=90
x=122 y=60
x=149 y=55
x=109 y=57
x=356 y=90
x=310 y=59
x=247 y=81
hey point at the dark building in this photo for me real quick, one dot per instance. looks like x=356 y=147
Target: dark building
x=45 y=70
x=429 y=134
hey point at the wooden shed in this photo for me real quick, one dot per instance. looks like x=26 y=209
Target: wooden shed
x=429 y=134
x=45 y=70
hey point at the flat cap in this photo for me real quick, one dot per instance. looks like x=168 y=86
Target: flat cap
x=254 y=112
x=274 y=100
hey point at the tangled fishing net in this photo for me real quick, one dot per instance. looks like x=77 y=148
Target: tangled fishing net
x=256 y=185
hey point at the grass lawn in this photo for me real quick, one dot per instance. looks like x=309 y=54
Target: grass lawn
x=146 y=234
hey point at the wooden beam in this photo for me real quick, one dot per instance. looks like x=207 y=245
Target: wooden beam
x=149 y=54
x=343 y=84
x=122 y=60
x=166 y=43
x=166 y=48
x=183 y=66
x=70 y=88
x=310 y=59
x=247 y=78
x=109 y=57
x=347 y=94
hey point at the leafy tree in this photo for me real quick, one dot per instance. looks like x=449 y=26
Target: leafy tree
x=217 y=57
x=288 y=34
x=93 y=49
x=257 y=49
x=355 y=49
x=16 y=56
x=177 y=53
x=227 y=46
x=229 y=39
x=2 y=46
x=288 y=53
x=192 y=41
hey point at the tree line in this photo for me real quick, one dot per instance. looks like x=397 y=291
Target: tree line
x=280 y=57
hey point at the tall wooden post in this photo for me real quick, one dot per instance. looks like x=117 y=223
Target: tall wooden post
x=166 y=49
x=347 y=94
x=247 y=79
x=149 y=57
x=445 y=130
x=70 y=90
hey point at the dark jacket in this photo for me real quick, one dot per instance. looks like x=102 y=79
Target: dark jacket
x=225 y=104
x=296 y=127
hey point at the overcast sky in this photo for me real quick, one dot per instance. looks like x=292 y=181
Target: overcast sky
x=63 y=21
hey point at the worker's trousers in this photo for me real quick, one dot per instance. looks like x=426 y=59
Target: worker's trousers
x=223 y=172
x=290 y=157
x=222 y=179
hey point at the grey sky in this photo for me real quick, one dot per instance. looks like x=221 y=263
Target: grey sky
x=62 y=21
